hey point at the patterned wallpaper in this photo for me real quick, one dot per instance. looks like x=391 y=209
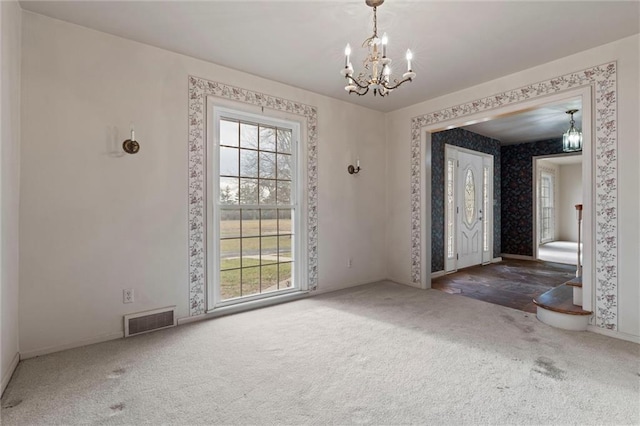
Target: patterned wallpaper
x=469 y=140
x=517 y=191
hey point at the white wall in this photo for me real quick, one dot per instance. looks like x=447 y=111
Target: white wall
x=9 y=188
x=625 y=51
x=93 y=223
x=570 y=191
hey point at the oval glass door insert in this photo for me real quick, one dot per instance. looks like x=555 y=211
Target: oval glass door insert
x=469 y=197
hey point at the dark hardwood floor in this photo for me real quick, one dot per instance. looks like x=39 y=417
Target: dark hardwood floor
x=511 y=283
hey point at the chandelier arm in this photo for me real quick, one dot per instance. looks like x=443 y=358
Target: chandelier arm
x=357 y=83
x=398 y=84
x=366 y=90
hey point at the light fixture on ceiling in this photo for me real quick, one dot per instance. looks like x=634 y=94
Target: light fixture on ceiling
x=572 y=138
x=377 y=70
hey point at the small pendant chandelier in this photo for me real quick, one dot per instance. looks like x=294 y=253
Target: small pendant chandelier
x=377 y=71
x=572 y=139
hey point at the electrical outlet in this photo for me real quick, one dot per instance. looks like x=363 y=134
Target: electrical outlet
x=127 y=295
x=349 y=262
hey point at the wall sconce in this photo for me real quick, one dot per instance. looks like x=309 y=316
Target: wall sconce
x=131 y=146
x=354 y=170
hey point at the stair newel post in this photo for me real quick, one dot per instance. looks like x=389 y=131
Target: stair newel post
x=579 y=216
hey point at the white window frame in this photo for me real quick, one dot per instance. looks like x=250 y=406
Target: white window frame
x=214 y=300
x=544 y=174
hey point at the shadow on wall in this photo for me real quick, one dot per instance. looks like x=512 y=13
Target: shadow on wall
x=469 y=140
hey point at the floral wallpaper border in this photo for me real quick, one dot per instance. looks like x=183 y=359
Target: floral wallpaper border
x=603 y=80
x=199 y=89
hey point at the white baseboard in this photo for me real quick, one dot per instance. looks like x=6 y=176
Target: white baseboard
x=76 y=344
x=438 y=274
x=195 y=318
x=6 y=377
x=614 y=334
x=517 y=256
x=496 y=260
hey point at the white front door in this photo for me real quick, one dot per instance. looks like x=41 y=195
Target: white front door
x=470 y=215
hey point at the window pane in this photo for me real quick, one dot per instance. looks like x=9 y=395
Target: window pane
x=284 y=140
x=230 y=284
x=284 y=166
x=267 y=191
x=450 y=209
x=269 y=223
x=267 y=139
x=269 y=278
x=228 y=190
x=248 y=191
x=250 y=252
x=256 y=168
x=284 y=221
x=267 y=165
x=269 y=250
x=229 y=134
x=485 y=207
x=248 y=136
x=229 y=254
x=285 y=275
x=284 y=192
x=250 y=223
x=284 y=248
x=230 y=224
x=250 y=281
x=248 y=163
x=229 y=161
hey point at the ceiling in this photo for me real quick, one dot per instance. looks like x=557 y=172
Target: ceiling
x=300 y=43
x=546 y=122
x=563 y=160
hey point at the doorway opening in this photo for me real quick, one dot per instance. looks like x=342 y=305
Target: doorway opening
x=558 y=201
x=528 y=205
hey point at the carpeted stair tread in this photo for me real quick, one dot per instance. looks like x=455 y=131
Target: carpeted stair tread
x=576 y=282
x=560 y=299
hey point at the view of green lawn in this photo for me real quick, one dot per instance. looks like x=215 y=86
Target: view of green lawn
x=253 y=264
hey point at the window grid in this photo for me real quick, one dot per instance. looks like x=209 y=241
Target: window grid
x=546 y=207
x=269 y=143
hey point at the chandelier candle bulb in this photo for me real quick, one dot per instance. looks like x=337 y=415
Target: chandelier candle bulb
x=409 y=58
x=385 y=40
x=347 y=53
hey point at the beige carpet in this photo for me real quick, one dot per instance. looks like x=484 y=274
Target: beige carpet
x=382 y=353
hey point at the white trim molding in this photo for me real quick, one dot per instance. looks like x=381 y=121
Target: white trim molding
x=199 y=90
x=6 y=378
x=601 y=80
x=517 y=256
x=71 y=345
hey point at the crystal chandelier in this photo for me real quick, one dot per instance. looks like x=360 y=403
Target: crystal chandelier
x=377 y=71
x=572 y=139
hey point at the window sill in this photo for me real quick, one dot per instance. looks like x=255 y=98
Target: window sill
x=255 y=304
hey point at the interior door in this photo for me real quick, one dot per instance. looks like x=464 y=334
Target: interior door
x=469 y=211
